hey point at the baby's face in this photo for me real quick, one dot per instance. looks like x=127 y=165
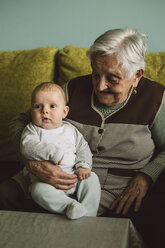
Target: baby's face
x=48 y=109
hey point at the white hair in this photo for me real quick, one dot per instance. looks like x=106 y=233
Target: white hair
x=127 y=44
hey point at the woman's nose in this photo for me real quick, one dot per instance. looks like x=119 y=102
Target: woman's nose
x=102 y=84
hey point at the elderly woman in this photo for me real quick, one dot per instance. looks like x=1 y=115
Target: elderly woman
x=121 y=114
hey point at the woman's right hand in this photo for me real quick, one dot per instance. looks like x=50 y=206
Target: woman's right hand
x=52 y=174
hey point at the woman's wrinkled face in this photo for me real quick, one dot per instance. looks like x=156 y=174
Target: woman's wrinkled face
x=110 y=83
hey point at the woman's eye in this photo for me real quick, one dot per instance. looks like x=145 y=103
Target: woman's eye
x=53 y=106
x=112 y=81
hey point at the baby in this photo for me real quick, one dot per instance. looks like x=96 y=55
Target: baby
x=49 y=137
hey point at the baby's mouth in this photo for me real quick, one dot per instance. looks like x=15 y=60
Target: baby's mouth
x=45 y=119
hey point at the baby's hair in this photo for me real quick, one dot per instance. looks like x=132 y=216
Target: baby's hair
x=49 y=86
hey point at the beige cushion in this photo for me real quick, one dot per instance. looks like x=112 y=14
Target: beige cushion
x=20 y=72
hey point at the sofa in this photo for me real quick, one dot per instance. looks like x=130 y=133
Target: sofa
x=22 y=70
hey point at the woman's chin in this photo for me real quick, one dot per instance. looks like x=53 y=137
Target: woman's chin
x=107 y=102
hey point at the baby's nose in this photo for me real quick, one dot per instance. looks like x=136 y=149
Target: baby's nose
x=45 y=111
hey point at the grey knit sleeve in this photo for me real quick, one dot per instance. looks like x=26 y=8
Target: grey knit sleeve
x=16 y=127
x=157 y=164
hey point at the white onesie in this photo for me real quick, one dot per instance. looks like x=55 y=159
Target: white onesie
x=64 y=142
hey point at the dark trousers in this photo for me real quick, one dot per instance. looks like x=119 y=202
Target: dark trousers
x=149 y=221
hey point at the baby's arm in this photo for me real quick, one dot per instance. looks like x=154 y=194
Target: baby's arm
x=33 y=149
x=83 y=157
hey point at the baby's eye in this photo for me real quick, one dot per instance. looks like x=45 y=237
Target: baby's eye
x=37 y=106
x=53 y=106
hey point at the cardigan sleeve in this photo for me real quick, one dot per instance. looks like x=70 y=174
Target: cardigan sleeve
x=157 y=164
x=16 y=127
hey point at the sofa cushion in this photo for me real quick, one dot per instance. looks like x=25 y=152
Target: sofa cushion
x=20 y=72
x=72 y=62
x=155 y=66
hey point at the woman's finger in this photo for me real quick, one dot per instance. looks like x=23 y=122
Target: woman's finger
x=138 y=202
x=121 y=204
x=64 y=187
x=128 y=204
x=114 y=203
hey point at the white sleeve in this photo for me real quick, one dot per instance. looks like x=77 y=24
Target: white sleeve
x=83 y=152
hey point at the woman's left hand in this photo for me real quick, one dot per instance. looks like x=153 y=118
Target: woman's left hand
x=135 y=191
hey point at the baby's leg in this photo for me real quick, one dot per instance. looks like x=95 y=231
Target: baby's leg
x=50 y=198
x=75 y=210
x=88 y=194
x=56 y=201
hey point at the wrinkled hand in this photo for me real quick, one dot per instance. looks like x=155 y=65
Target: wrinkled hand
x=83 y=173
x=135 y=192
x=52 y=174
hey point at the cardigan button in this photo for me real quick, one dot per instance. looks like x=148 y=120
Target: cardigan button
x=101 y=148
x=100 y=131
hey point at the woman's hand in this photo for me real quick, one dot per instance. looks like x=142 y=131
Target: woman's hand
x=52 y=174
x=135 y=191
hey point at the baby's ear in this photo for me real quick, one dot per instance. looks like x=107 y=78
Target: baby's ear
x=66 y=110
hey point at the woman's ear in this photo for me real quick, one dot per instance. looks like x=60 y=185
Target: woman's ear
x=66 y=110
x=138 y=76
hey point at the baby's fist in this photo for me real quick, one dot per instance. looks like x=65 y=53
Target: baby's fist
x=83 y=173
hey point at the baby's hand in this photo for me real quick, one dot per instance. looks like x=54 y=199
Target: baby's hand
x=83 y=173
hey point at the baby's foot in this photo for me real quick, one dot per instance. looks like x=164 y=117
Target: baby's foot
x=75 y=210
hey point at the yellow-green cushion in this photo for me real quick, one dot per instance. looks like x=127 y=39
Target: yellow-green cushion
x=20 y=72
x=155 y=67
x=73 y=62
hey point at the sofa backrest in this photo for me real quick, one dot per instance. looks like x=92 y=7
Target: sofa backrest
x=73 y=62
x=22 y=70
